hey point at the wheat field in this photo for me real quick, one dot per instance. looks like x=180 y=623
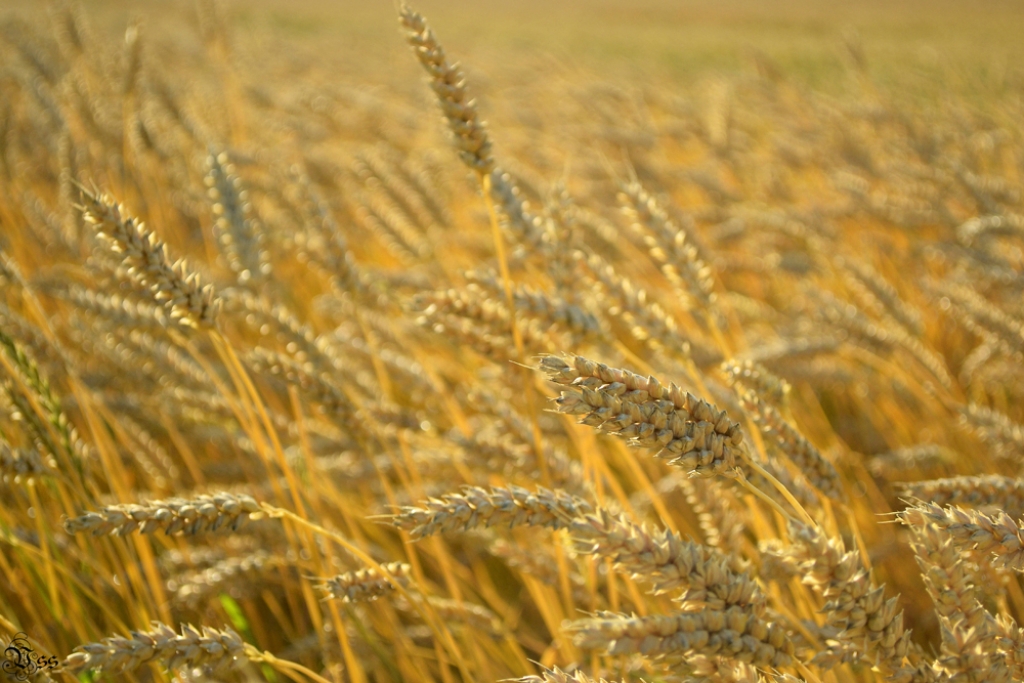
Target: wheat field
x=602 y=341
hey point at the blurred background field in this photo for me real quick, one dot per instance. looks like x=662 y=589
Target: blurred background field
x=975 y=42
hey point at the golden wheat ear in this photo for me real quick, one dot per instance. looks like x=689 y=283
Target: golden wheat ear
x=364 y=584
x=449 y=85
x=177 y=515
x=220 y=650
x=687 y=431
x=170 y=283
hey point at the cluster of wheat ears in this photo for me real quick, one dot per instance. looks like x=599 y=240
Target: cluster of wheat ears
x=730 y=395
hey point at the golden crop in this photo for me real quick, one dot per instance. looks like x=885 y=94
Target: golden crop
x=592 y=363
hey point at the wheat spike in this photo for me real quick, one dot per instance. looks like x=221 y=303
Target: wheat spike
x=191 y=516
x=219 y=649
x=171 y=284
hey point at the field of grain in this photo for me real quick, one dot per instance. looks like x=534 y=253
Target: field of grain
x=550 y=342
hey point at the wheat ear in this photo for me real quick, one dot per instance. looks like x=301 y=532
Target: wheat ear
x=448 y=83
x=172 y=284
x=733 y=633
x=688 y=431
x=194 y=647
x=476 y=507
x=201 y=514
